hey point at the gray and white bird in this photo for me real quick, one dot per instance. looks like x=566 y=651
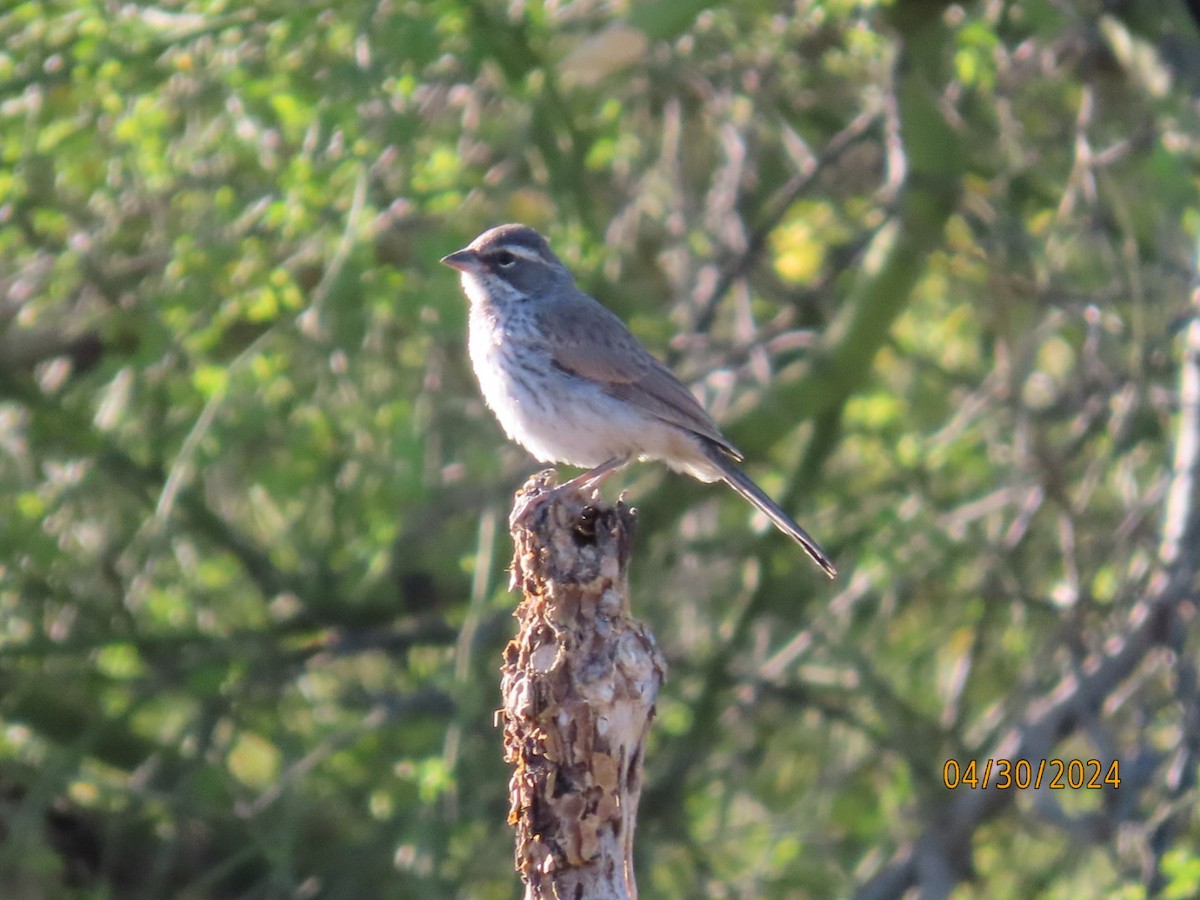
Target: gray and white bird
x=571 y=384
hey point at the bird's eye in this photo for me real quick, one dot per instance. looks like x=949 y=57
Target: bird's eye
x=505 y=260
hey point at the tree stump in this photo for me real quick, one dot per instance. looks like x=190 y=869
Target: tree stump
x=579 y=681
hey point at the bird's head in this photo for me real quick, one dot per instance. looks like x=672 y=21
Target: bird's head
x=509 y=262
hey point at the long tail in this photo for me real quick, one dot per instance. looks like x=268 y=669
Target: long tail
x=740 y=482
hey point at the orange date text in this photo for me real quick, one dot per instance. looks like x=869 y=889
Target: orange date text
x=1022 y=774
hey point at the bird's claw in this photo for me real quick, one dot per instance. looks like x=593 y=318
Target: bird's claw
x=537 y=490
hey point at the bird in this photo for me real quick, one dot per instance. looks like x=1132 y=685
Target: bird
x=569 y=382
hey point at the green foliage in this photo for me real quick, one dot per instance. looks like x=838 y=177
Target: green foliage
x=925 y=262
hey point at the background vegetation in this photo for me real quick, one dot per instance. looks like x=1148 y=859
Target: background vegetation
x=929 y=265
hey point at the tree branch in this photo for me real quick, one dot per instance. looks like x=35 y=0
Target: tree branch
x=580 y=682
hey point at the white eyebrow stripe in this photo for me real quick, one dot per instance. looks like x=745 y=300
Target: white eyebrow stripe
x=518 y=250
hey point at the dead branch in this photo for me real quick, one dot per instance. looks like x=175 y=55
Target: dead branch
x=579 y=681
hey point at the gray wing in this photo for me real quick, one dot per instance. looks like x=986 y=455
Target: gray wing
x=587 y=340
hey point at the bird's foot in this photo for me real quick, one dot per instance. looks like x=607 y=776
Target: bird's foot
x=536 y=490
x=542 y=487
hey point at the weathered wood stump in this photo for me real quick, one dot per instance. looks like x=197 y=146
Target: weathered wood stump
x=580 y=681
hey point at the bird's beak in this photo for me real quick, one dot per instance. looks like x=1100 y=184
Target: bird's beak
x=463 y=260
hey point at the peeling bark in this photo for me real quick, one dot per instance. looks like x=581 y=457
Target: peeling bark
x=579 y=681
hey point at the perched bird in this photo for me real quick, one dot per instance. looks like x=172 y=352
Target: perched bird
x=571 y=384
